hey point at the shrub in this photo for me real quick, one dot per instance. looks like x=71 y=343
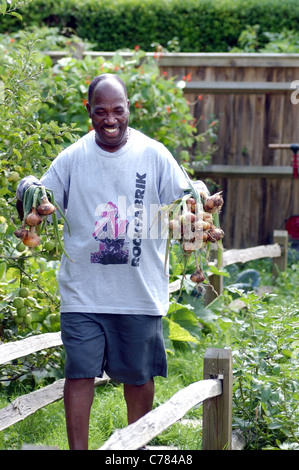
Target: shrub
x=27 y=146
x=253 y=39
x=199 y=25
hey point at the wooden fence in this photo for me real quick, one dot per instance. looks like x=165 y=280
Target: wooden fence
x=214 y=391
x=250 y=95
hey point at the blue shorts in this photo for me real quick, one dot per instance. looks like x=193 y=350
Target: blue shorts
x=129 y=348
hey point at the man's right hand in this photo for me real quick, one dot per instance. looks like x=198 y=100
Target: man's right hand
x=23 y=185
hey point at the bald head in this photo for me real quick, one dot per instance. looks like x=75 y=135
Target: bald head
x=110 y=77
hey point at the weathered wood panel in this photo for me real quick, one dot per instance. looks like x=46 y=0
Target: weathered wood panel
x=248 y=254
x=250 y=95
x=217 y=412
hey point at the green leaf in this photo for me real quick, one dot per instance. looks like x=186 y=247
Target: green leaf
x=219 y=272
x=265 y=394
x=177 y=333
x=3 y=6
x=2 y=269
x=287 y=353
x=183 y=315
x=17 y=15
x=17 y=153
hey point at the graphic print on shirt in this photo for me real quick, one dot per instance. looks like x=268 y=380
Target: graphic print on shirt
x=140 y=184
x=110 y=231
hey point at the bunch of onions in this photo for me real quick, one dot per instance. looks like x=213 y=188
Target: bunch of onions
x=37 y=207
x=194 y=223
x=34 y=197
x=192 y=227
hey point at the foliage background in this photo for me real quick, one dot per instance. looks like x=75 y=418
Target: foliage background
x=198 y=25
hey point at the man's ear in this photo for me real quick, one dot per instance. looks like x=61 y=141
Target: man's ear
x=88 y=109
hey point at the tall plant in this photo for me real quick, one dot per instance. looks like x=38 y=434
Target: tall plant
x=27 y=146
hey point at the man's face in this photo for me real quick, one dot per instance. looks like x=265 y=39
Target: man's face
x=109 y=112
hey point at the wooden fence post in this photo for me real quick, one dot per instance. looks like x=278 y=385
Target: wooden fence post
x=217 y=411
x=216 y=282
x=280 y=264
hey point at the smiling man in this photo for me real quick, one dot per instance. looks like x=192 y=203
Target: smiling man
x=115 y=291
x=108 y=109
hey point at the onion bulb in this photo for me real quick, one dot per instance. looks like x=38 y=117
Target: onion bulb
x=187 y=225
x=187 y=218
x=191 y=204
x=198 y=276
x=31 y=239
x=21 y=232
x=213 y=203
x=207 y=217
x=33 y=218
x=45 y=207
x=216 y=234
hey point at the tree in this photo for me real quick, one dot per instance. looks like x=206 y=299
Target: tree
x=27 y=146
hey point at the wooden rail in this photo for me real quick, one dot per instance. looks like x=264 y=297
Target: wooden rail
x=16 y=349
x=194 y=59
x=26 y=405
x=226 y=87
x=244 y=171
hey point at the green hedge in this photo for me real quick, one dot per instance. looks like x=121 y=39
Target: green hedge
x=199 y=25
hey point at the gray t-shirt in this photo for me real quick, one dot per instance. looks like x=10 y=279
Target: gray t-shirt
x=111 y=200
